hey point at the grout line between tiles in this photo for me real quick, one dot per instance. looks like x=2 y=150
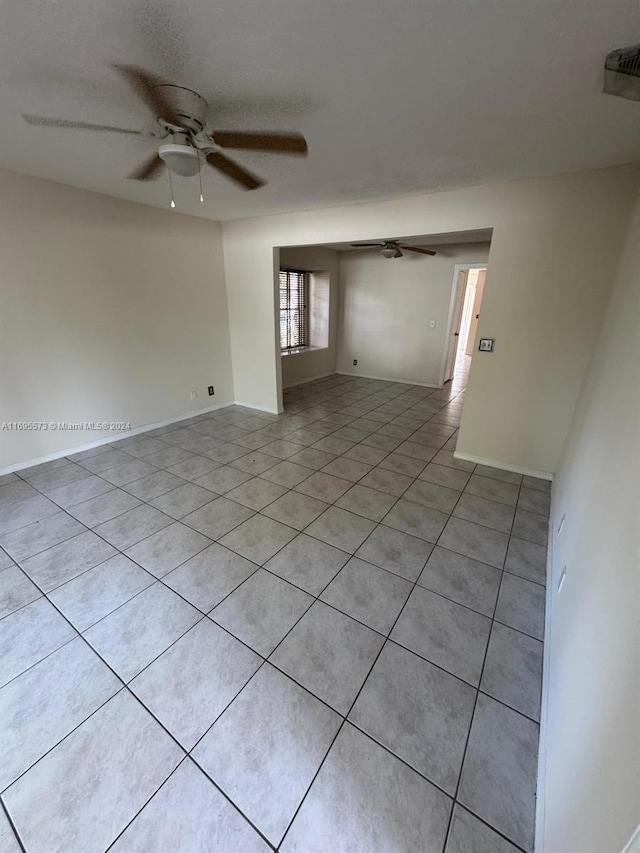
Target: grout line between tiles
x=12 y=825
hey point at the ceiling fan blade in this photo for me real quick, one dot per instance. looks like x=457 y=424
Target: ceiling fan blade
x=40 y=121
x=149 y=168
x=364 y=245
x=422 y=251
x=398 y=254
x=147 y=87
x=233 y=170
x=277 y=143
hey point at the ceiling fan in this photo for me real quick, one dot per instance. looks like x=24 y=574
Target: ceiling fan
x=181 y=115
x=392 y=248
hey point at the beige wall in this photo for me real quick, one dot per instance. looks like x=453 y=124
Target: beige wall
x=110 y=311
x=303 y=367
x=555 y=242
x=590 y=753
x=386 y=306
x=111 y=289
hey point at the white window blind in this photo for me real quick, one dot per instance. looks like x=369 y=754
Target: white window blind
x=294 y=318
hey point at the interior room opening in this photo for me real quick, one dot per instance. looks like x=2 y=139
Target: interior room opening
x=398 y=310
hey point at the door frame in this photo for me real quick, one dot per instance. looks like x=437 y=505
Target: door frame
x=451 y=319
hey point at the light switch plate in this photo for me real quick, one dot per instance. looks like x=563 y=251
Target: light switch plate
x=486 y=344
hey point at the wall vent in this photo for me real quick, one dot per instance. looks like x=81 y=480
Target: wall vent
x=622 y=73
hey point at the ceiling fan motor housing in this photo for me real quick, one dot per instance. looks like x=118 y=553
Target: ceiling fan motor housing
x=189 y=105
x=191 y=108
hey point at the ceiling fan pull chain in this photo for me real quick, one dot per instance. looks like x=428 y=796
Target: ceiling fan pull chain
x=173 y=204
x=200 y=177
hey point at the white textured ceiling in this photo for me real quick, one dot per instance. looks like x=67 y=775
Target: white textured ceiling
x=394 y=98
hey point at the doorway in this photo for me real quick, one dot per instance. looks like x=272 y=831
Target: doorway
x=466 y=301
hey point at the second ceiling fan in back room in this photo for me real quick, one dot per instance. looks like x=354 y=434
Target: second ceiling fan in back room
x=181 y=116
x=392 y=248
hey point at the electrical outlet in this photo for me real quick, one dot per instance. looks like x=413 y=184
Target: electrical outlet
x=194 y=395
x=355 y=361
x=562 y=578
x=211 y=391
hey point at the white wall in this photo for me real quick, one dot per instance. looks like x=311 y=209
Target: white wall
x=110 y=311
x=386 y=306
x=555 y=242
x=302 y=367
x=590 y=755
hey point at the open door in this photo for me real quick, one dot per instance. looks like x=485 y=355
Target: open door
x=475 y=312
x=456 y=320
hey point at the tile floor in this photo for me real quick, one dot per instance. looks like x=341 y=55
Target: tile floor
x=317 y=631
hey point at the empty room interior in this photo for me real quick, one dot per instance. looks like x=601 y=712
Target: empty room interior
x=319 y=427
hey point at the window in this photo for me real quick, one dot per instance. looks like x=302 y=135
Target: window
x=294 y=317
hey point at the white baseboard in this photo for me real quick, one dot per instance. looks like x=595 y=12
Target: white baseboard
x=268 y=409
x=387 y=379
x=505 y=466
x=633 y=844
x=110 y=439
x=309 y=379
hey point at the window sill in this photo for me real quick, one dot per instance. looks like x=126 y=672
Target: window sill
x=302 y=351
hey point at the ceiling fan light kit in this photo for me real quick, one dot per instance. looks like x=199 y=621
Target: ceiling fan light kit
x=181 y=116
x=180 y=159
